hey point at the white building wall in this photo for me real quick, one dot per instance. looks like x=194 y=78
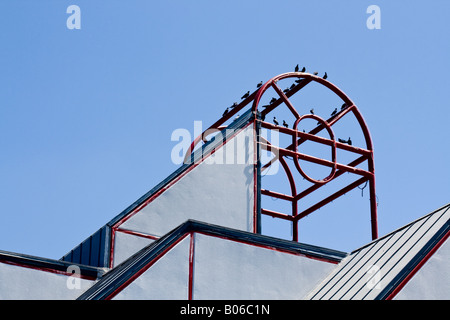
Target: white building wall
x=23 y=283
x=126 y=245
x=167 y=278
x=432 y=281
x=226 y=269
x=217 y=191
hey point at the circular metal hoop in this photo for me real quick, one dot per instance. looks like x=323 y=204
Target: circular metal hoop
x=333 y=149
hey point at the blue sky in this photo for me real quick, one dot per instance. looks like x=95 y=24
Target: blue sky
x=86 y=116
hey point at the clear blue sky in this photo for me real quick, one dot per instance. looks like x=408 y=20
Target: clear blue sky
x=86 y=116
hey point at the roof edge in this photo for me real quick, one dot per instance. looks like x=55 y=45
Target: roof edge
x=129 y=269
x=50 y=265
x=401 y=228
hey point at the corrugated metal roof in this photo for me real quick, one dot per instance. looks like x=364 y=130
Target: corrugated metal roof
x=373 y=271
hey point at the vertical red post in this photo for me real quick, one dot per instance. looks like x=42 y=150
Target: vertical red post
x=191 y=267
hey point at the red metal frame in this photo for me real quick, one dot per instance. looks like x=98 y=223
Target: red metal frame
x=191 y=266
x=298 y=137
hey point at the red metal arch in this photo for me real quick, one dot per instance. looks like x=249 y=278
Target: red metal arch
x=365 y=154
x=300 y=137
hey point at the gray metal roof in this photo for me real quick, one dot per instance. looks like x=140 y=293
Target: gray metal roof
x=374 y=270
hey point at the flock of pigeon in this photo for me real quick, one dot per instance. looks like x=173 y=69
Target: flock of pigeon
x=285 y=124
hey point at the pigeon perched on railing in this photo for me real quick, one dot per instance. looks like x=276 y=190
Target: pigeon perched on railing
x=246 y=95
x=225 y=112
x=334 y=112
x=349 y=141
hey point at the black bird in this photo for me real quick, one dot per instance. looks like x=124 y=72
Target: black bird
x=315 y=73
x=298 y=80
x=275 y=121
x=292 y=86
x=246 y=95
x=234 y=105
x=343 y=106
x=286 y=90
x=259 y=84
x=311 y=111
x=273 y=100
x=349 y=141
x=285 y=124
x=304 y=69
x=325 y=76
x=334 y=112
x=225 y=112
x=296 y=68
